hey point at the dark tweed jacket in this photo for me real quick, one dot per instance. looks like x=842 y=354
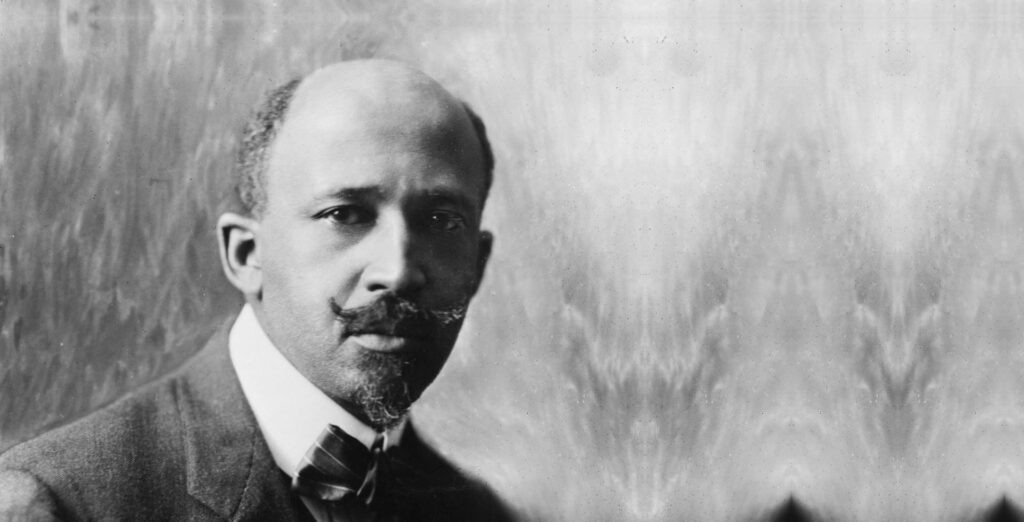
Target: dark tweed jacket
x=187 y=447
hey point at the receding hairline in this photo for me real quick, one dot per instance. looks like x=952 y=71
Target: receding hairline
x=373 y=82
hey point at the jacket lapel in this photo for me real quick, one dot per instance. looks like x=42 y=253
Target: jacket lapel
x=229 y=467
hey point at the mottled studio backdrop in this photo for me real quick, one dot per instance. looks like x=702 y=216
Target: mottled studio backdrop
x=751 y=257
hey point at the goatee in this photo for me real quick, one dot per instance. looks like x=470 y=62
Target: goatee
x=383 y=394
x=389 y=383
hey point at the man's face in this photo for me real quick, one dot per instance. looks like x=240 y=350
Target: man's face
x=373 y=200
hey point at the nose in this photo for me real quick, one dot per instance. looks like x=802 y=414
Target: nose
x=392 y=265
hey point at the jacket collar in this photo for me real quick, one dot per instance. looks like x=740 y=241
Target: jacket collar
x=229 y=467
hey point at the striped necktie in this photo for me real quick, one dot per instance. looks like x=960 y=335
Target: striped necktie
x=338 y=468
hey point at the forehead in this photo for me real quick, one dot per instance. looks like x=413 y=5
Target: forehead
x=375 y=128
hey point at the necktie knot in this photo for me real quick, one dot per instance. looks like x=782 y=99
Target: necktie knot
x=338 y=467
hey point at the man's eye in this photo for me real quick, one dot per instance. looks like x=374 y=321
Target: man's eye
x=348 y=215
x=445 y=221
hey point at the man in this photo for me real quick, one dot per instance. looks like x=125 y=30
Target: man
x=357 y=251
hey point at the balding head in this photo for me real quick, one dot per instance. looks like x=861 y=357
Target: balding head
x=395 y=97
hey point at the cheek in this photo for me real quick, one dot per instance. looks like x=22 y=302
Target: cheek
x=289 y=268
x=305 y=271
x=455 y=269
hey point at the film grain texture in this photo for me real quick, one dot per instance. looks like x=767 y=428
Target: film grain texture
x=753 y=260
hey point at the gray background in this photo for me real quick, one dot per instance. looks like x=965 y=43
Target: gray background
x=744 y=250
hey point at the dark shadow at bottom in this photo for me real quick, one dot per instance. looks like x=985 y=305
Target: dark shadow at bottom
x=791 y=511
x=1002 y=511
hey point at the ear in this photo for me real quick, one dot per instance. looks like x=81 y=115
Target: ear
x=483 y=255
x=239 y=253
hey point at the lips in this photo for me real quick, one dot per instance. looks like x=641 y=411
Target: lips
x=413 y=328
x=383 y=343
x=390 y=337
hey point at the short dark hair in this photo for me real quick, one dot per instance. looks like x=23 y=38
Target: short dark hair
x=262 y=127
x=254 y=150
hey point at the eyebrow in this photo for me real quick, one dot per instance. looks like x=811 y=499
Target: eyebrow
x=450 y=196
x=356 y=193
x=376 y=193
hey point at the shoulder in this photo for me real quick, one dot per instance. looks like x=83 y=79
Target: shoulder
x=109 y=452
x=128 y=453
x=101 y=434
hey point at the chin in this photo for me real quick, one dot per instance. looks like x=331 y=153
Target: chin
x=382 y=386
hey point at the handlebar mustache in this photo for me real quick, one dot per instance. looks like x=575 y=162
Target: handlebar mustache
x=396 y=316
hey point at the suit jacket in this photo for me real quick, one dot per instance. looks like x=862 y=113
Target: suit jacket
x=187 y=447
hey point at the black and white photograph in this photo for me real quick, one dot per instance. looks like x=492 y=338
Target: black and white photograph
x=499 y=260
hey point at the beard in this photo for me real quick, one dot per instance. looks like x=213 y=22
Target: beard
x=383 y=393
x=383 y=386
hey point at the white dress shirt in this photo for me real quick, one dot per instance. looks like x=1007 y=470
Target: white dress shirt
x=290 y=410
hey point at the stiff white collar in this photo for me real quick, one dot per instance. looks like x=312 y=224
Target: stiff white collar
x=290 y=410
